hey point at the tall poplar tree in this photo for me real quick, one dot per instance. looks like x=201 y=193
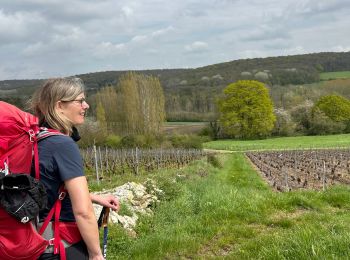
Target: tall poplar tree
x=141 y=103
x=107 y=99
x=101 y=118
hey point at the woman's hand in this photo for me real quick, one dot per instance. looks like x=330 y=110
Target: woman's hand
x=96 y=257
x=108 y=201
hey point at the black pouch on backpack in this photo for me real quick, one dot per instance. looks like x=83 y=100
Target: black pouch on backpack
x=22 y=196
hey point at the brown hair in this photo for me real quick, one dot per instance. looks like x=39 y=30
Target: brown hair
x=44 y=101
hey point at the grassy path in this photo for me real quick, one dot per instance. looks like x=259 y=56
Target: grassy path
x=231 y=213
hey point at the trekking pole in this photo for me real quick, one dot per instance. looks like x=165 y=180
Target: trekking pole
x=103 y=222
x=105 y=232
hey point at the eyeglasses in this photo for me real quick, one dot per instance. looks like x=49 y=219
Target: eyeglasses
x=81 y=100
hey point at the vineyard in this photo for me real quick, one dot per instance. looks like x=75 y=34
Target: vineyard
x=303 y=169
x=106 y=161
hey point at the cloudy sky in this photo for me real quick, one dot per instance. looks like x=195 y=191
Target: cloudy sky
x=48 y=38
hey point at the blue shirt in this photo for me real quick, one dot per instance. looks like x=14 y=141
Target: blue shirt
x=59 y=160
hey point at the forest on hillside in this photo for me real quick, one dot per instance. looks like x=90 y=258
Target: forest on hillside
x=190 y=94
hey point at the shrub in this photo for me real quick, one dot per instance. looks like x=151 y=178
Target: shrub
x=128 y=141
x=214 y=161
x=212 y=130
x=171 y=189
x=113 y=141
x=125 y=210
x=187 y=141
x=301 y=116
x=206 y=131
x=142 y=141
x=284 y=126
x=152 y=141
x=131 y=141
x=320 y=124
x=91 y=134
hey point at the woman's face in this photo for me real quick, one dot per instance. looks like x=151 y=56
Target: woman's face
x=74 y=110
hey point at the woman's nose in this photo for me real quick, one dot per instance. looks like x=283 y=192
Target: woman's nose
x=85 y=105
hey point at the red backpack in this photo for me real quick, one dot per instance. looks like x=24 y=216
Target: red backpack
x=20 y=240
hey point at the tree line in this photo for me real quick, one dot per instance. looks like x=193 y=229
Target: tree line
x=246 y=111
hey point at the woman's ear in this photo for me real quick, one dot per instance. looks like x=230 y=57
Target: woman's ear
x=59 y=107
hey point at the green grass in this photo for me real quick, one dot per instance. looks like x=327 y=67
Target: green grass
x=175 y=123
x=335 y=75
x=231 y=213
x=299 y=142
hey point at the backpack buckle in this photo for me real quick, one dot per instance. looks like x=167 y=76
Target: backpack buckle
x=51 y=241
x=62 y=195
x=6 y=169
x=31 y=135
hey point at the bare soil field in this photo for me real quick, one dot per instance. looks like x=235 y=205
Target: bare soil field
x=303 y=169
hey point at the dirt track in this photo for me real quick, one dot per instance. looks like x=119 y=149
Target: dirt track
x=217 y=151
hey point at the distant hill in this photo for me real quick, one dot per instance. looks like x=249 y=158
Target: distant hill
x=281 y=70
x=193 y=90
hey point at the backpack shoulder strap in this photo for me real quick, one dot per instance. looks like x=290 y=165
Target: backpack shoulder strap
x=46 y=132
x=42 y=134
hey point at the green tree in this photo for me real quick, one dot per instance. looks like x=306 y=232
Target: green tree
x=141 y=104
x=106 y=99
x=101 y=118
x=246 y=110
x=107 y=96
x=335 y=107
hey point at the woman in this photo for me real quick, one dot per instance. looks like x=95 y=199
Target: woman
x=60 y=104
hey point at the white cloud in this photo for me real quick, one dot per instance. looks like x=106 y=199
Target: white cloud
x=139 y=38
x=62 y=37
x=152 y=51
x=127 y=11
x=71 y=40
x=340 y=48
x=108 y=49
x=197 y=46
x=163 y=31
x=18 y=26
x=34 y=49
x=267 y=32
x=152 y=35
